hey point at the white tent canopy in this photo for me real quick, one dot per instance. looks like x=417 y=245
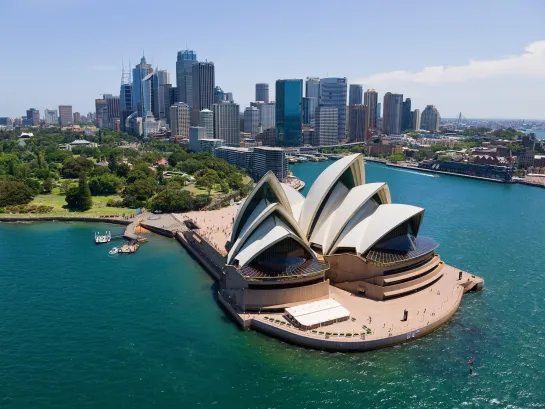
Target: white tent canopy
x=318 y=313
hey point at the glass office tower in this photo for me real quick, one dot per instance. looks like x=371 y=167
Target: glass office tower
x=289 y=94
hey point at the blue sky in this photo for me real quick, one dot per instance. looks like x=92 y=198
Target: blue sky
x=483 y=58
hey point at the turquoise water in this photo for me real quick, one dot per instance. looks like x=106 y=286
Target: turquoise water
x=82 y=329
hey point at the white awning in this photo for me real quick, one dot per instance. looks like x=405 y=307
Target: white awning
x=318 y=312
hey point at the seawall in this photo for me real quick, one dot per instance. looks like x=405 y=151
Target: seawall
x=121 y=222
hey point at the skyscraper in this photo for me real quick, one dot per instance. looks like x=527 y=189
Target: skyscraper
x=203 y=87
x=51 y=117
x=160 y=79
x=262 y=92
x=100 y=106
x=139 y=72
x=333 y=92
x=407 y=120
x=371 y=100
x=65 y=115
x=219 y=95
x=327 y=122
x=226 y=123
x=430 y=118
x=77 y=117
x=267 y=113
x=358 y=129
x=112 y=106
x=288 y=130
x=416 y=120
x=184 y=75
x=228 y=96
x=309 y=110
x=393 y=113
x=196 y=133
x=355 y=94
x=251 y=121
x=206 y=120
x=33 y=116
x=180 y=114
x=312 y=87
x=125 y=103
x=147 y=94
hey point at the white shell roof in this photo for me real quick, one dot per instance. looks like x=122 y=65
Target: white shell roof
x=324 y=183
x=270 y=232
x=263 y=210
x=295 y=198
x=353 y=201
x=371 y=229
x=349 y=219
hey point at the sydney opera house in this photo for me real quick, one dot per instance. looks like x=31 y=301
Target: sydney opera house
x=343 y=253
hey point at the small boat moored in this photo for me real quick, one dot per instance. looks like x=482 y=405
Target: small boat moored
x=114 y=250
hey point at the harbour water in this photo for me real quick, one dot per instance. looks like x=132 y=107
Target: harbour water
x=80 y=328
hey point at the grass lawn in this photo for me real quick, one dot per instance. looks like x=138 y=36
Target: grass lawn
x=56 y=200
x=195 y=190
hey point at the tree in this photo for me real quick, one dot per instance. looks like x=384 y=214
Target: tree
x=65 y=185
x=13 y=192
x=208 y=180
x=396 y=157
x=47 y=185
x=73 y=167
x=136 y=194
x=80 y=197
x=104 y=184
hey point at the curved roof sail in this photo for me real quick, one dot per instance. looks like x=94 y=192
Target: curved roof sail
x=348 y=171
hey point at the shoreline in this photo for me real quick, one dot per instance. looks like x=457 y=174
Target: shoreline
x=89 y=219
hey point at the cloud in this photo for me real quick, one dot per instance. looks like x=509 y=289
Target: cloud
x=102 y=67
x=529 y=64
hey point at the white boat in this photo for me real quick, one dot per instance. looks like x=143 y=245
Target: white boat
x=114 y=250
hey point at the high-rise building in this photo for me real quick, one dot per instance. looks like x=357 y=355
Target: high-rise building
x=267 y=113
x=206 y=120
x=112 y=105
x=33 y=116
x=333 y=92
x=251 y=121
x=139 y=72
x=393 y=113
x=379 y=111
x=309 y=110
x=125 y=103
x=100 y=106
x=355 y=94
x=312 y=87
x=65 y=115
x=219 y=95
x=407 y=119
x=160 y=79
x=147 y=94
x=228 y=96
x=430 y=118
x=77 y=117
x=416 y=120
x=167 y=94
x=184 y=75
x=226 y=123
x=262 y=92
x=203 y=87
x=371 y=100
x=196 y=133
x=270 y=159
x=358 y=129
x=327 y=123
x=51 y=117
x=288 y=128
x=180 y=115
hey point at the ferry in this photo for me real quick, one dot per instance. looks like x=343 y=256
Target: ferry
x=103 y=238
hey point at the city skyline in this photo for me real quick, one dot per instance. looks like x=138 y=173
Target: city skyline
x=456 y=71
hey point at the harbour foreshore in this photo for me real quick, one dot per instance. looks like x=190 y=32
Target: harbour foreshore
x=373 y=324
